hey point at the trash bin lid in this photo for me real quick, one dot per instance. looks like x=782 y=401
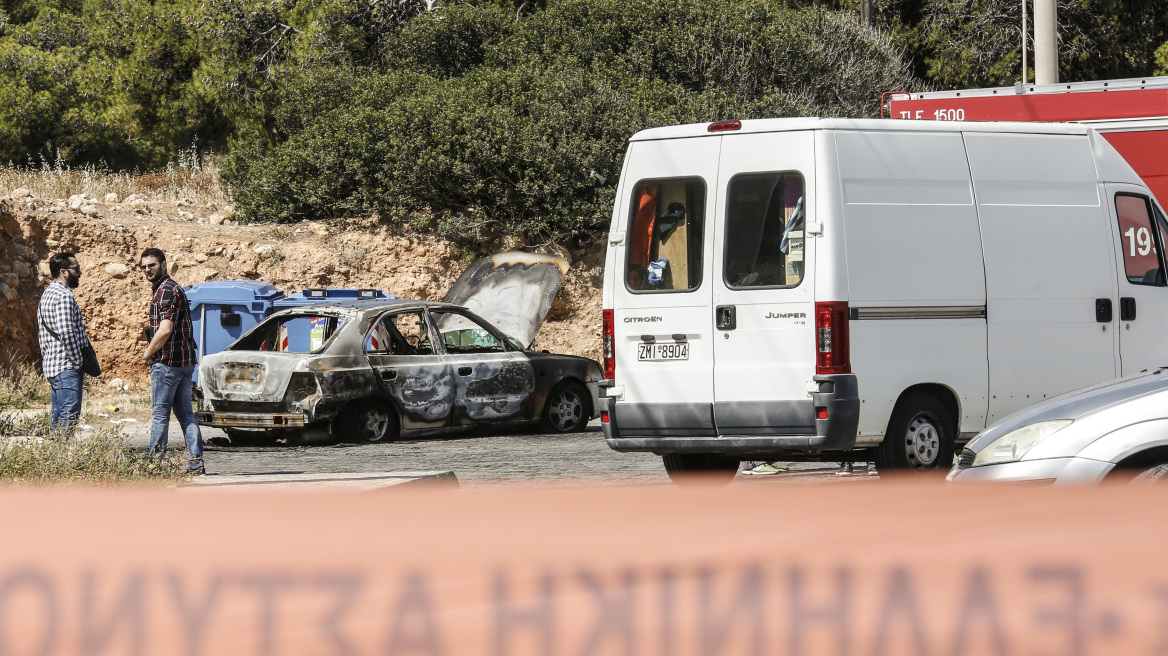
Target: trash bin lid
x=232 y=291
x=319 y=295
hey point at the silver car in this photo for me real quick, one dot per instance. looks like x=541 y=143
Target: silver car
x=1114 y=429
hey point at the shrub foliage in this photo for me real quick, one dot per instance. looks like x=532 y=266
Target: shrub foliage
x=486 y=125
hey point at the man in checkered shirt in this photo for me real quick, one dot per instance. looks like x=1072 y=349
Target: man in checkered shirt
x=61 y=334
x=171 y=356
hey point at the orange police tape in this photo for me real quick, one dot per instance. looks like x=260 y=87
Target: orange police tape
x=889 y=567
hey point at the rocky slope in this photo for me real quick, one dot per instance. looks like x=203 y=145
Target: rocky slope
x=202 y=243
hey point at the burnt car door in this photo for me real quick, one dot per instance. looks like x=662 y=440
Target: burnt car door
x=494 y=381
x=411 y=369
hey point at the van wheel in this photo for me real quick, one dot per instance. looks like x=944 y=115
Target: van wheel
x=369 y=421
x=566 y=410
x=920 y=436
x=697 y=467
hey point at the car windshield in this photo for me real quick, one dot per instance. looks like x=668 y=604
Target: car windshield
x=296 y=333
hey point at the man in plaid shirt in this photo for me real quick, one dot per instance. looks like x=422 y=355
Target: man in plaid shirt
x=61 y=334
x=171 y=356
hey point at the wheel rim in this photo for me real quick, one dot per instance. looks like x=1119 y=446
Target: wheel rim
x=374 y=424
x=922 y=442
x=565 y=410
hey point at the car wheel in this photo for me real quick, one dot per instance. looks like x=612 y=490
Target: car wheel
x=698 y=467
x=1152 y=475
x=566 y=410
x=919 y=438
x=370 y=421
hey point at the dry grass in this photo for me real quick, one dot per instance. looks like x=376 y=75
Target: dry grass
x=22 y=385
x=31 y=451
x=194 y=178
x=39 y=456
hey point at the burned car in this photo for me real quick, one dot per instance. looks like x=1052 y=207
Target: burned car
x=377 y=370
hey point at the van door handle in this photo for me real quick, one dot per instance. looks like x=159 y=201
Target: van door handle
x=726 y=317
x=1103 y=310
x=388 y=374
x=1127 y=309
x=464 y=371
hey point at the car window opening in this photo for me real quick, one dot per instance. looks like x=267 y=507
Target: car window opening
x=399 y=334
x=461 y=334
x=665 y=240
x=298 y=333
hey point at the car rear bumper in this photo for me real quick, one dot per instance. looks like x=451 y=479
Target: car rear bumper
x=838 y=396
x=251 y=419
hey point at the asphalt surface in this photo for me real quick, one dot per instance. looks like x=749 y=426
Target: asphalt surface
x=477 y=461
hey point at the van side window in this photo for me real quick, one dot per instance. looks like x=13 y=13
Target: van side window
x=764 y=230
x=665 y=235
x=1139 y=238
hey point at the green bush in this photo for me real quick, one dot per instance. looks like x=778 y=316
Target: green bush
x=487 y=127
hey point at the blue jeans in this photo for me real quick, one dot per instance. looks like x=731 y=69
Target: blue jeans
x=170 y=389
x=66 y=398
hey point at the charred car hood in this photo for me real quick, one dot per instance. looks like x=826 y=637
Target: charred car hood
x=512 y=290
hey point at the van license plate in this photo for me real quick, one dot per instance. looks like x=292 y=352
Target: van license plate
x=667 y=351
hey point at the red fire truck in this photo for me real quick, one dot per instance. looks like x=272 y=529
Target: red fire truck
x=1131 y=114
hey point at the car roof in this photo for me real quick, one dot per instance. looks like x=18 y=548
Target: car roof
x=364 y=306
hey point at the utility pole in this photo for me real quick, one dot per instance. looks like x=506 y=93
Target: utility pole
x=1025 y=33
x=866 y=12
x=1045 y=42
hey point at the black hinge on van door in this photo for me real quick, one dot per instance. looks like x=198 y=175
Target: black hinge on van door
x=726 y=318
x=1103 y=310
x=1127 y=309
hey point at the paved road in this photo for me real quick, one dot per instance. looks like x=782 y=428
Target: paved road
x=576 y=459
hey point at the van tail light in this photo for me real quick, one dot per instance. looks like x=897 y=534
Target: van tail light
x=831 y=338
x=608 y=346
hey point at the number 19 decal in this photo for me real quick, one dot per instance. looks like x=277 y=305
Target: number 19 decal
x=1139 y=241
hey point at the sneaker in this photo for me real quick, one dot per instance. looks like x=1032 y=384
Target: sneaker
x=766 y=469
x=197 y=471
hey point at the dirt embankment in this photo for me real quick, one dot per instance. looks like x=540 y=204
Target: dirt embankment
x=202 y=244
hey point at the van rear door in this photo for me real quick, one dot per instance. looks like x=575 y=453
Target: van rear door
x=763 y=285
x=663 y=321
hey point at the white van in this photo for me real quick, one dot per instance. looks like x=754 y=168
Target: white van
x=836 y=289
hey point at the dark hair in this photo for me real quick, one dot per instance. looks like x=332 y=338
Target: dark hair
x=154 y=253
x=58 y=262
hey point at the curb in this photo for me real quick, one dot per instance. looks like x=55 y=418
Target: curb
x=339 y=482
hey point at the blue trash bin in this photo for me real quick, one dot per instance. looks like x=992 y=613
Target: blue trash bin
x=223 y=310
